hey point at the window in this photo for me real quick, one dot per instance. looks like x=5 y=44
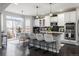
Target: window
x=14 y=18
x=13 y=24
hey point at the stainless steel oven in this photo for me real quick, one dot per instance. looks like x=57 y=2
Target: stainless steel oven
x=70 y=31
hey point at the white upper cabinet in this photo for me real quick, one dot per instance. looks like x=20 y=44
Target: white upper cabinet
x=77 y=10
x=61 y=19
x=66 y=17
x=70 y=16
x=54 y=19
x=39 y=22
x=73 y=16
x=47 y=20
x=36 y=22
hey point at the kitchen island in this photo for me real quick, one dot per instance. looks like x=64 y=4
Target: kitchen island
x=58 y=36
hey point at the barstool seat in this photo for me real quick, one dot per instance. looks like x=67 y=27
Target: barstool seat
x=49 y=39
x=33 y=39
x=40 y=38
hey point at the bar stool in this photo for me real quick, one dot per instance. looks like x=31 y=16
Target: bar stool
x=49 y=39
x=22 y=38
x=40 y=39
x=33 y=39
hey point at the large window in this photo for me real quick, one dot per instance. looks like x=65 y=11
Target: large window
x=13 y=24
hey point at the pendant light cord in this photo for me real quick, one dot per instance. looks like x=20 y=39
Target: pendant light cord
x=37 y=10
x=50 y=7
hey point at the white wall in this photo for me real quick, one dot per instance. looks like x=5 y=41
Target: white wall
x=1 y=22
x=31 y=19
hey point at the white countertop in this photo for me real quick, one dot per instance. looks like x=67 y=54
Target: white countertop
x=51 y=32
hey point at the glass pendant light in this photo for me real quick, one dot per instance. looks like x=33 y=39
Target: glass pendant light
x=37 y=16
x=37 y=12
x=50 y=14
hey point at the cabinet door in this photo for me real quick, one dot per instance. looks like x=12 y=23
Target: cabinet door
x=73 y=16
x=70 y=16
x=60 y=19
x=47 y=20
x=36 y=22
x=54 y=19
x=67 y=17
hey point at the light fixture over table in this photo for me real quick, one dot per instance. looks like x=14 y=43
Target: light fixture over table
x=50 y=14
x=37 y=12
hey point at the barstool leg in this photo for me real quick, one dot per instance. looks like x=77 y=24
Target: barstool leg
x=39 y=44
x=47 y=46
x=56 y=47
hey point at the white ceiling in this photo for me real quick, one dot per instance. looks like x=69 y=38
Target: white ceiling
x=44 y=8
x=3 y=6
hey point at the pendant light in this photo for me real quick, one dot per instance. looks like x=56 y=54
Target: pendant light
x=37 y=12
x=50 y=14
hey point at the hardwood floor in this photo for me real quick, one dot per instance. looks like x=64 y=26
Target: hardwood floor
x=16 y=49
x=69 y=50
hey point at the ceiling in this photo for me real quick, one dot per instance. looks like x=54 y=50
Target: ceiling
x=44 y=8
x=3 y=6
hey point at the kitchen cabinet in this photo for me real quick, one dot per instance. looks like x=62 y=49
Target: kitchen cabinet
x=70 y=28
x=77 y=26
x=73 y=16
x=61 y=19
x=66 y=17
x=39 y=22
x=77 y=12
x=70 y=16
x=47 y=20
x=54 y=19
x=36 y=22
